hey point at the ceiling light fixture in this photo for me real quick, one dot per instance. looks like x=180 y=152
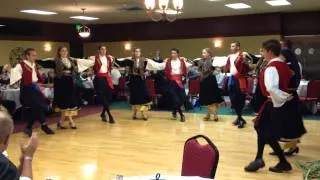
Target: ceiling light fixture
x=238 y=6
x=2 y=25
x=278 y=3
x=84 y=31
x=163 y=12
x=86 y=18
x=33 y=11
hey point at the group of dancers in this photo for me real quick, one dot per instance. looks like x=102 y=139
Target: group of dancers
x=279 y=117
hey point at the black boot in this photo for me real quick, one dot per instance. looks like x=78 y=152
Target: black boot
x=28 y=131
x=281 y=167
x=46 y=129
x=111 y=120
x=174 y=115
x=241 y=124
x=255 y=165
x=236 y=122
x=182 y=118
x=103 y=118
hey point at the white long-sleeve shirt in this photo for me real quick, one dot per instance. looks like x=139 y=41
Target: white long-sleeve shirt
x=271 y=81
x=175 y=66
x=16 y=72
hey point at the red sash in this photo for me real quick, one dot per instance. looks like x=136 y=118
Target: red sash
x=178 y=79
x=107 y=77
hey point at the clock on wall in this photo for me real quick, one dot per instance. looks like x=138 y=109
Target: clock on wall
x=15 y=55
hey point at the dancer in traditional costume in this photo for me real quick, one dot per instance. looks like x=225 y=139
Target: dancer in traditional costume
x=65 y=95
x=295 y=127
x=139 y=95
x=175 y=69
x=103 y=82
x=238 y=67
x=30 y=93
x=275 y=112
x=258 y=98
x=210 y=95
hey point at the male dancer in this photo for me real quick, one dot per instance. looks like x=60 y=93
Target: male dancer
x=238 y=66
x=103 y=81
x=270 y=124
x=30 y=94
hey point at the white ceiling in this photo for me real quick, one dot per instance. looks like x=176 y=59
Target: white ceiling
x=108 y=10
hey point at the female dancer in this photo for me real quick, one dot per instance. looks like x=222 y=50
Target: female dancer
x=176 y=71
x=209 y=92
x=65 y=96
x=139 y=96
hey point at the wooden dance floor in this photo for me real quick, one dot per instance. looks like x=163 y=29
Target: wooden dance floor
x=101 y=151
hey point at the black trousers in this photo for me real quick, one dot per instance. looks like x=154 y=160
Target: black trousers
x=104 y=92
x=32 y=98
x=237 y=97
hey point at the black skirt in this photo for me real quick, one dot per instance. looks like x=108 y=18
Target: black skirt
x=103 y=89
x=139 y=94
x=178 y=94
x=293 y=120
x=209 y=91
x=283 y=122
x=65 y=95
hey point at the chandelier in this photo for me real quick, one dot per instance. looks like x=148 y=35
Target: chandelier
x=163 y=12
x=84 y=31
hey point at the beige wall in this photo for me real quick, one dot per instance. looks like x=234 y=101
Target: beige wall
x=7 y=46
x=188 y=47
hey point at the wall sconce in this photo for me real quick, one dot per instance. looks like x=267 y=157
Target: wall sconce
x=127 y=46
x=47 y=47
x=217 y=43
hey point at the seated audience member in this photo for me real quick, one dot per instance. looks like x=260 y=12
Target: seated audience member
x=5 y=77
x=8 y=171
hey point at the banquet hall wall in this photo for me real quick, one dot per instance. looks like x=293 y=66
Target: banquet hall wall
x=190 y=48
x=7 y=45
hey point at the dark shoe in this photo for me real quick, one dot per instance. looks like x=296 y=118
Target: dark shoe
x=241 y=124
x=182 y=118
x=59 y=126
x=281 y=167
x=255 y=165
x=206 y=118
x=291 y=152
x=28 y=132
x=111 y=120
x=103 y=118
x=134 y=117
x=73 y=127
x=145 y=118
x=47 y=130
x=174 y=116
x=216 y=119
x=236 y=122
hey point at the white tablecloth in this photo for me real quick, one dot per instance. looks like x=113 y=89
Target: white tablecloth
x=14 y=95
x=11 y=95
x=163 y=178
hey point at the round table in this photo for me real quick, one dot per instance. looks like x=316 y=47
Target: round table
x=161 y=178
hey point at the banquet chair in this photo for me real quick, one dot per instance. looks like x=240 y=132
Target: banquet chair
x=194 y=90
x=313 y=92
x=152 y=92
x=200 y=160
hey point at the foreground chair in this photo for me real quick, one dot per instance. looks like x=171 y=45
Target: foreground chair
x=200 y=160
